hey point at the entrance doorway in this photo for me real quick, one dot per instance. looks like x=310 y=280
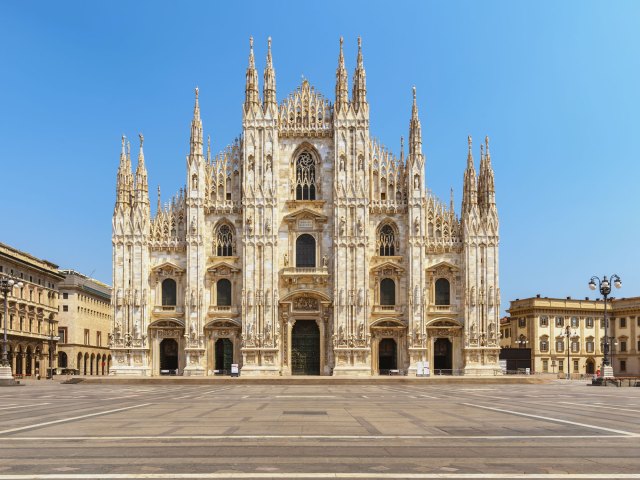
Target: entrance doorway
x=590 y=367
x=168 y=357
x=442 y=356
x=387 y=356
x=305 y=348
x=224 y=355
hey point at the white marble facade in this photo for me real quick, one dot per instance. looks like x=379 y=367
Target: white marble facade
x=306 y=247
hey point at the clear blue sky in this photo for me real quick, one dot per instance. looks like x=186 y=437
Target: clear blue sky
x=554 y=84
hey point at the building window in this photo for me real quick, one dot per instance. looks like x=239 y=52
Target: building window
x=65 y=295
x=62 y=333
x=223 y=293
x=545 y=365
x=589 y=322
x=65 y=308
x=305 y=177
x=443 y=296
x=98 y=339
x=576 y=366
x=623 y=365
x=623 y=345
x=544 y=321
x=575 y=346
x=559 y=345
x=387 y=292
x=638 y=347
x=560 y=322
x=87 y=338
x=522 y=322
x=590 y=346
x=305 y=251
x=575 y=322
x=387 y=241
x=544 y=345
x=169 y=292
x=623 y=322
x=560 y=366
x=224 y=241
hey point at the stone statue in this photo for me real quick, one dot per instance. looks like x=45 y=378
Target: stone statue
x=286 y=259
x=324 y=260
x=343 y=224
x=267 y=226
x=360 y=226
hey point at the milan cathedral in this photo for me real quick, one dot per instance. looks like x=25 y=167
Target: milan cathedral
x=306 y=247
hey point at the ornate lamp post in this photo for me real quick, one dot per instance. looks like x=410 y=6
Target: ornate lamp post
x=53 y=338
x=568 y=333
x=6 y=285
x=605 y=289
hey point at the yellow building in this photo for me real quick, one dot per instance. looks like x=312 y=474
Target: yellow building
x=31 y=322
x=571 y=331
x=84 y=323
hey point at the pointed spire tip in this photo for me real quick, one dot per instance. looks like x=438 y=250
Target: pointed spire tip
x=141 y=139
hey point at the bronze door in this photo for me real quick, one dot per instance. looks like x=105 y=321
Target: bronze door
x=305 y=348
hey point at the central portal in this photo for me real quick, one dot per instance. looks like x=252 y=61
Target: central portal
x=387 y=356
x=169 y=356
x=224 y=355
x=442 y=352
x=305 y=348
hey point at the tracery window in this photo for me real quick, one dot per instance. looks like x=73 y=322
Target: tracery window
x=169 y=292
x=224 y=241
x=305 y=251
x=387 y=241
x=387 y=292
x=305 y=177
x=443 y=292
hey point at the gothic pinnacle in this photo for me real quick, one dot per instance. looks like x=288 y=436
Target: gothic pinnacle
x=342 y=95
x=269 y=86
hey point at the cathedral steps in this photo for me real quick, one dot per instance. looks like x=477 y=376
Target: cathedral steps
x=317 y=380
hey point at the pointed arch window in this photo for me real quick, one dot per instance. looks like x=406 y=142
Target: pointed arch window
x=305 y=177
x=224 y=241
x=387 y=241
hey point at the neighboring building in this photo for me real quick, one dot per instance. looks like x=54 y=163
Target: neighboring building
x=32 y=322
x=84 y=324
x=306 y=247
x=540 y=324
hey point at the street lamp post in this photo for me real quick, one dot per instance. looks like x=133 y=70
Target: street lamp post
x=52 y=338
x=604 y=286
x=568 y=333
x=6 y=285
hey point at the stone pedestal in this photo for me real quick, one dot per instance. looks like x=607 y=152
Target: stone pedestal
x=6 y=378
x=607 y=372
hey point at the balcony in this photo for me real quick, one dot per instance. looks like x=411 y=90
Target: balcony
x=225 y=310
x=318 y=275
x=168 y=311
x=440 y=309
x=388 y=309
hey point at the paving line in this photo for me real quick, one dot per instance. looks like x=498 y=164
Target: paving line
x=62 y=420
x=600 y=405
x=305 y=396
x=23 y=406
x=109 y=476
x=310 y=437
x=551 y=419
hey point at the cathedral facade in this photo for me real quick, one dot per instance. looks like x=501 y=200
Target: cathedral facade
x=305 y=247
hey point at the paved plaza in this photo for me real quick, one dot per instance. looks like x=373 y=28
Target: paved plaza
x=373 y=430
